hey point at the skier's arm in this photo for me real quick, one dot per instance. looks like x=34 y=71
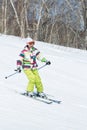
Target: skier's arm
x=40 y=57
x=43 y=59
x=19 y=61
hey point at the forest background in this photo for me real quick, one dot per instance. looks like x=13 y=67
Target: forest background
x=62 y=22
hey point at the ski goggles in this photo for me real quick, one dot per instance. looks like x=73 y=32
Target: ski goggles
x=31 y=43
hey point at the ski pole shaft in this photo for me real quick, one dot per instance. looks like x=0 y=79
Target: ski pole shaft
x=42 y=67
x=18 y=72
x=10 y=75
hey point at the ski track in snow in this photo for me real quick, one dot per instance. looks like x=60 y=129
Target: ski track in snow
x=65 y=79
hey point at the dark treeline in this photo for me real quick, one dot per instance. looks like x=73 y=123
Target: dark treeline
x=59 y=22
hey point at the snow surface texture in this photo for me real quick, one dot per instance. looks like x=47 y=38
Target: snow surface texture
x=65 y=78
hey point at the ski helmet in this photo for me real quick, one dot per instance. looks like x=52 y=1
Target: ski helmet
x=30 y=41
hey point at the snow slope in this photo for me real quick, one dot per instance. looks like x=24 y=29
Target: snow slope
x=66 y=78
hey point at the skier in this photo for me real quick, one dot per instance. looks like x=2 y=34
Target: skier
x=27 y=61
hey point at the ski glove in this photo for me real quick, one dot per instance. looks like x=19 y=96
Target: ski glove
x=48 y=63
x=19 y=70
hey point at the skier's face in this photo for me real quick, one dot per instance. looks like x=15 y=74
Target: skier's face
x=31 y=44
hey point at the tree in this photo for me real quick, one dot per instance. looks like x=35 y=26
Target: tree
x=85 y=21
x=62 y=22
x=4 y=16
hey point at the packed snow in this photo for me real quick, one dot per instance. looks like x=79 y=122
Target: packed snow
x=65 y=79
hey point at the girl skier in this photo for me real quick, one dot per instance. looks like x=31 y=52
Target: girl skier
x=27 y=60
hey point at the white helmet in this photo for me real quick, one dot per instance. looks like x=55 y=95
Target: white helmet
x=30 y=41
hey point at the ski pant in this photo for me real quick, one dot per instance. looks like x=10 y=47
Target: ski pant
x=33 y=80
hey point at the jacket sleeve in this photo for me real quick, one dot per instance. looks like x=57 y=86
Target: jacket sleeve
x=20 y=60
x=40 y=57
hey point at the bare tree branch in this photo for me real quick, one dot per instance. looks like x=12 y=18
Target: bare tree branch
x=16 y=15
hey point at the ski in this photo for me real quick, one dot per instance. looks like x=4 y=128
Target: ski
x=47 y=101
x=54 y=100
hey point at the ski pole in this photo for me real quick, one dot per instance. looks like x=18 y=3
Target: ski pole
x=42 y=67
x=18 y=72
x=11 y=75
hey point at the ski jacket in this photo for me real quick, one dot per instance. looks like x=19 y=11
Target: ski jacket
x=28 y=58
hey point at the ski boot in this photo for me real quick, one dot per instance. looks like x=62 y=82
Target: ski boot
x=42 y=95
x=30 y=94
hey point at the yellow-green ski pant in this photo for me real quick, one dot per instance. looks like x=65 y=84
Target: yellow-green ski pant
x=34 y=80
